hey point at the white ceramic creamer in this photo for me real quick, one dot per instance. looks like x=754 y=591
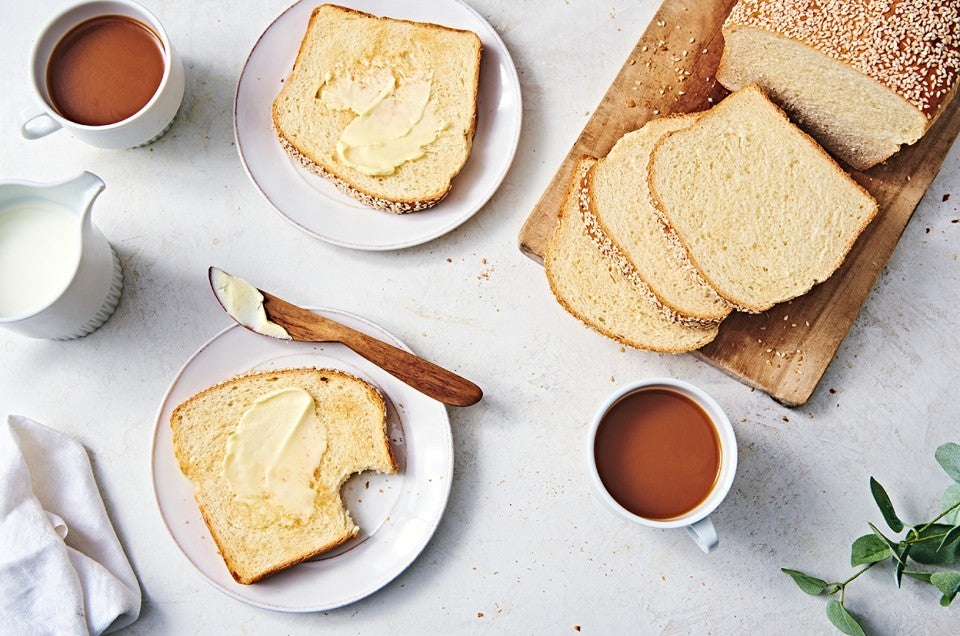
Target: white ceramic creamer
x=59 y=277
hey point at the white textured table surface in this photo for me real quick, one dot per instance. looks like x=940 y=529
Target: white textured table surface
x=524 y=546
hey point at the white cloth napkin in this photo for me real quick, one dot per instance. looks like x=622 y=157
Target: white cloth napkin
x=62 y=569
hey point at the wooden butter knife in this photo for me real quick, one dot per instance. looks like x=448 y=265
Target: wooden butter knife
x=305 y=326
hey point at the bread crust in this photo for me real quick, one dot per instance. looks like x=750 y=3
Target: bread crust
x=583 y=165
x=611 y=249
x=340 y=178
x=176 y=423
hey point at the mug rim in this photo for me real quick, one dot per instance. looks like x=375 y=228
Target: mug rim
x=146 y=17
x=725 y=433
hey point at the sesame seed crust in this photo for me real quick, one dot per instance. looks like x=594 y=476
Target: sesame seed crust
x=366 y=198
x=612 y=251
x=705 y=336
x=912 y=47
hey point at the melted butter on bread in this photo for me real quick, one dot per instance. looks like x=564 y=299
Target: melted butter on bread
x=273 y=454
x=394 y=121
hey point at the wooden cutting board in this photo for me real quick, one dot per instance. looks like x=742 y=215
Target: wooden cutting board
x=786 y=350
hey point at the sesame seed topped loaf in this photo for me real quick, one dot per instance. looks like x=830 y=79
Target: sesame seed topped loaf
x=592 y=289
x=862 y=77
x=624 y=224
x=384 y=108
x=762 y=210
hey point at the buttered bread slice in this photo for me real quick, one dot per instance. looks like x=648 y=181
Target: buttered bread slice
x=384 y=108
x=623 y=222
x=590 y=287
x=267 y=454
x=763 y=212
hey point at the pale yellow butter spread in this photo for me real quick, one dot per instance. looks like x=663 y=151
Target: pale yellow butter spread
x=394 y=119
x=275 y=450
x=244 y=303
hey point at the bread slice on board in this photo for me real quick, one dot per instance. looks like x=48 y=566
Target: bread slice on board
x=257 y=539
x=762 y=210
x=862 y=77
x=346 y=54
x=592 y=289
x=623 y=222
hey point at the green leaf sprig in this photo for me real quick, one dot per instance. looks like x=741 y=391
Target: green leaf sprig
x=936 y=542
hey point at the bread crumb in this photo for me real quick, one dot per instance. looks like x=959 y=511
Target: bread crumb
x=946 y=198
x=630 y=103
x=449 y=260
x=576 y=628
x=632 y=62
x=479 y=614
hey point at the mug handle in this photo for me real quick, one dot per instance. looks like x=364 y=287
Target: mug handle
x=36 y=123
x=703 y=534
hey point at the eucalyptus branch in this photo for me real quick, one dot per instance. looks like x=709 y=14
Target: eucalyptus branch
x=875 y=548
x=844 y=584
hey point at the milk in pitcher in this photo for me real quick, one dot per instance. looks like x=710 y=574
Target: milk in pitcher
x=39 y=252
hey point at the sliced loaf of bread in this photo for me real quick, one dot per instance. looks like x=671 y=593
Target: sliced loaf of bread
x=862 y=77
x=763 y=212
x=364 y=88
x=258 y=537
x=623 y=222
x=590 y=287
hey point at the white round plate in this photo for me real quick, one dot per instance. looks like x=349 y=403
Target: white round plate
x=397 y=514
x=312 y=203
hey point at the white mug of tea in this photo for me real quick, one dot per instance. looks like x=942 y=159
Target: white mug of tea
x=662 y=453
x=105 y=71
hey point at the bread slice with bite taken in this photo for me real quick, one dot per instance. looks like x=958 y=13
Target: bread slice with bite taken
x=258 y=537
x=368 y=92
